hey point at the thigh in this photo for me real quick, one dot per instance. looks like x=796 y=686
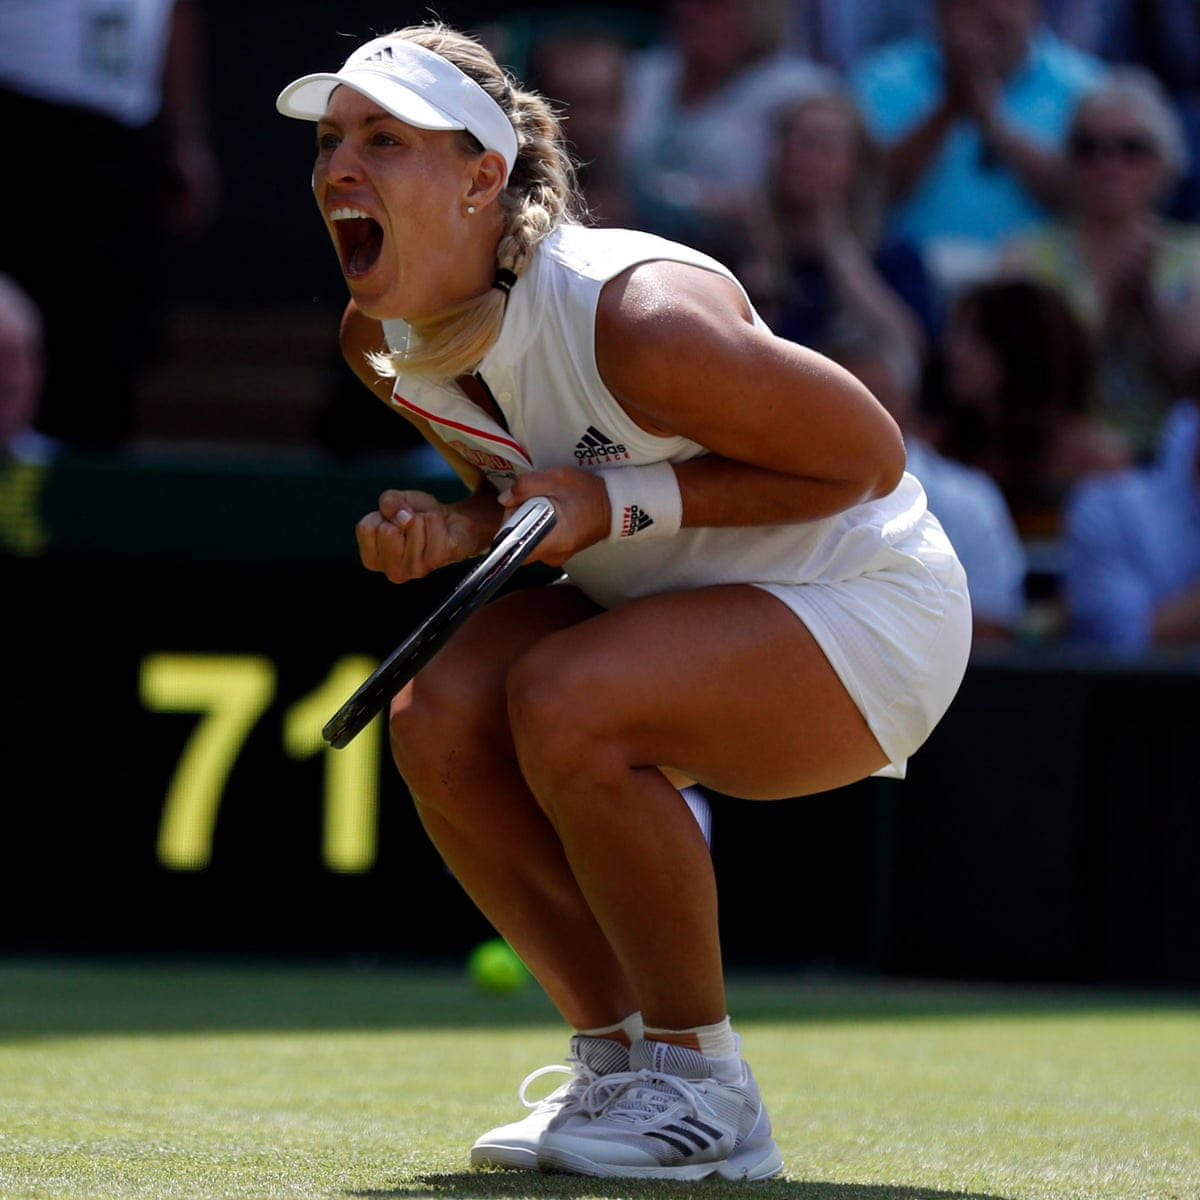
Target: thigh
x=724 y=684
x=464 y=683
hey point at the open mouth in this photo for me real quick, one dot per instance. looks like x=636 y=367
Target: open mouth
x=360 y=239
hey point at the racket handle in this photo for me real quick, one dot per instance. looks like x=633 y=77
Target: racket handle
x=513 y=543
x=528 y=512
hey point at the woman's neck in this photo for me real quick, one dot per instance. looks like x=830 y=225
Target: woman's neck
x=468 y=275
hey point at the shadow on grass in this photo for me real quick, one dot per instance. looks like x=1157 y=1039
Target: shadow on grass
x=53 y=998
x=495 y=1185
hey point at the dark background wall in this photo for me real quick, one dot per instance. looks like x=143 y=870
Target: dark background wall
x=1048 y=829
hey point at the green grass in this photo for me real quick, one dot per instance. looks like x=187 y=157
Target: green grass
x=167 y=1080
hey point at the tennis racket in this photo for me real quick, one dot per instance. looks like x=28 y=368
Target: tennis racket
x=511 y=546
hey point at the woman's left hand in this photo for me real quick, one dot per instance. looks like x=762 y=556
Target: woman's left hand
x=580 y=502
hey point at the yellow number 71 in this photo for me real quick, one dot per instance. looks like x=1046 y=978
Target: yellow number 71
x=232 y=692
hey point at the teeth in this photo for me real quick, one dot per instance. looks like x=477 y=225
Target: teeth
x=348 y=214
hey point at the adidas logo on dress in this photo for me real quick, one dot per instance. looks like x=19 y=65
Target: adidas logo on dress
x=596 y=447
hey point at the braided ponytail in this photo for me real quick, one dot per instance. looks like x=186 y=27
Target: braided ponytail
x=540 y=196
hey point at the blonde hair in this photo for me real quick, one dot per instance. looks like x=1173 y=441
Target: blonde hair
x=540 y=196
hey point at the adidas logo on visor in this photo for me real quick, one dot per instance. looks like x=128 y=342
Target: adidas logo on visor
x=413 y=84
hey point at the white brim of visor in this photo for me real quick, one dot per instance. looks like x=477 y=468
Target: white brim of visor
x=308 y=97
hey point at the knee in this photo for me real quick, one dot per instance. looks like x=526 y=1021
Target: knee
x=556 y=713
x=427 y=722
x=411 y=720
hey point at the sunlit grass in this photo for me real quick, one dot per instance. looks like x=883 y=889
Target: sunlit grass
x=169 y=1081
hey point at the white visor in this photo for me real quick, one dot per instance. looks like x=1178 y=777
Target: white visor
x=416 y=86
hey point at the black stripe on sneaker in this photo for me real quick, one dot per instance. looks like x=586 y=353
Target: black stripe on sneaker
x=692 y=1135
x=715 y=1134
x=682 y=1147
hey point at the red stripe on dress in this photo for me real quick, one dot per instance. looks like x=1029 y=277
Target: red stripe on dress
x=481 y=433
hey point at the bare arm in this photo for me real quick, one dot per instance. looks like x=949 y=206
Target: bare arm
x=973 y=86
x=910 y=156
x=1041 y=170
x=793 y=436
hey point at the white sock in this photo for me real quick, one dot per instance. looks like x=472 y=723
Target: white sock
x=630 y=1029
x=714 y=1041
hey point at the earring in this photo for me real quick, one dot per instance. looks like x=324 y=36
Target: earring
x=470 y=209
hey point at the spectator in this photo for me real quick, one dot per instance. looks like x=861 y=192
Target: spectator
x=1132 y=549
x=819 y=250
x=1163 y=36
x=839 y=34
x=697 y=125
x=966 y=500
x=584 y=71
x=22 y=368
x=1131 y=275
x=108 y=99
x=973 y=119
x=1015 y=375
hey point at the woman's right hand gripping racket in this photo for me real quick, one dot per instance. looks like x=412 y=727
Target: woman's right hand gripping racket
x=512 y=545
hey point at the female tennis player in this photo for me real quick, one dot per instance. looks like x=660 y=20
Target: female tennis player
x=755 y=595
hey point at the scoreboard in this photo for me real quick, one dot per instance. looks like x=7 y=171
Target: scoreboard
x=178 y=633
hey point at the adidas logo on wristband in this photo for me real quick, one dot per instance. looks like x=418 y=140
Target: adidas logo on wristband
x=634 y=493
x=634 y=520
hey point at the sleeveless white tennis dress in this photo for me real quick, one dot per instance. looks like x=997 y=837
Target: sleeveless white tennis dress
x=879 y=585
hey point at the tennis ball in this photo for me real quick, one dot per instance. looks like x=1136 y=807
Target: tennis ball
x=494 y=967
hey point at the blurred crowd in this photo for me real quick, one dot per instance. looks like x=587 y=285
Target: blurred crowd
x=107 y=99
x=988 y=210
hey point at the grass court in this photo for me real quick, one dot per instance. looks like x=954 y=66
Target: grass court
x=166 y=1080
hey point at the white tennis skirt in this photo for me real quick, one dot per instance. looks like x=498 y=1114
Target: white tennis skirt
x=898 y=636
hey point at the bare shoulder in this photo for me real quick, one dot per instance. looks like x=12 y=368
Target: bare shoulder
x=679 y=349
x=358 y=333
x=664 y=299
x=360 y=336
x=664 y=321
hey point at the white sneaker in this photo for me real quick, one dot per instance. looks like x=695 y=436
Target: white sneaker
x=668 y=1117
x=516 y=1145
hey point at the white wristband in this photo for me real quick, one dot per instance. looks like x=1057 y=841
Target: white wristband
x=645 y=501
